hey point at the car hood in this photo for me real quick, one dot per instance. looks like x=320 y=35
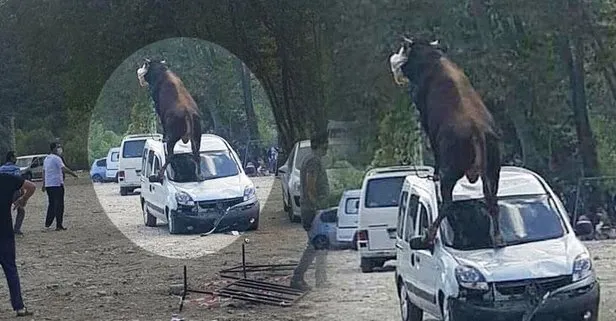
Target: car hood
x=524 y=261
x=213 y=189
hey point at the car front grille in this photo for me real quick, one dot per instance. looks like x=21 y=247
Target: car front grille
x=220 y=205
x=543 y=285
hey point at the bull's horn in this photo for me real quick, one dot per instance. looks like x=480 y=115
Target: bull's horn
x=407 y=40
x=434 y=43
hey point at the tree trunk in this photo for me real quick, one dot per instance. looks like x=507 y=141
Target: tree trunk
x=251 y=116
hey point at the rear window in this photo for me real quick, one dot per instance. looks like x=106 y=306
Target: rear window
x=101 y=162
x=351 y=206
x=133 y=148
x=384 y=192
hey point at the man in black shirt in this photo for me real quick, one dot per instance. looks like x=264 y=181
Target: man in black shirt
x=9 y=185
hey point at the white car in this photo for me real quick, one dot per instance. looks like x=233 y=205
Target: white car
x=129 y=165
x=464 y=278
x=289 y=179
x=113 y=163
x=348 y=218
x=192 y=205
x=378 y=208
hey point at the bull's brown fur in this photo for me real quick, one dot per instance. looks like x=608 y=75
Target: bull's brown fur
x=176 y=109
x=460 y=128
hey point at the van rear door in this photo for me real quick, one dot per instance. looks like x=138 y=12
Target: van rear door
x=380 y=211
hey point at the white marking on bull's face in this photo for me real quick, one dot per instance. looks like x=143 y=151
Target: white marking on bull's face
x=434 y=43
x=396 y=61
x=141 y=74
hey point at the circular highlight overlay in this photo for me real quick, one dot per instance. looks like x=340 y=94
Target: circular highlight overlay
x=212 y=76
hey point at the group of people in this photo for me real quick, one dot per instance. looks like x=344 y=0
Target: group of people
x=15 y=192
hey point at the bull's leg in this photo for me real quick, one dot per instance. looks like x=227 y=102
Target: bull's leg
x=490 y=188
x=196 y=142
x=448 y=182
x=168 y=155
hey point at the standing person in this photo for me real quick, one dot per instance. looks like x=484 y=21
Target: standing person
x=53 y=183
x=314 y=189
x=9 y=167
x=9 y=185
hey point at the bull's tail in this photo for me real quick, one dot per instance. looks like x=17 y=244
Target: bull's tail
x=188 y=134
x=477 y=167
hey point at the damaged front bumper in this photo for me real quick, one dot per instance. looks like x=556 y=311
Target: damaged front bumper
x=243 y=216
x=576 y=301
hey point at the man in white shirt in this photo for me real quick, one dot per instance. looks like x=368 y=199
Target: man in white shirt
x=53 y=183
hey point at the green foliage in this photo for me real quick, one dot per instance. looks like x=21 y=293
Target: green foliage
x=101 y=141
x=34 y=141
x=342 y=179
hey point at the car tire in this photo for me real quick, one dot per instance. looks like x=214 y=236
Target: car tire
x=97 y=178
x=408 y=310
x=148 y=219
x=366 y=265
x=123 y=191
x=320 y=242
x=447 y=312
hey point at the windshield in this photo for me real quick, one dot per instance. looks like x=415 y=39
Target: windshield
x=384 y=192
x=522 y=220
x=302 y=153
x=352 y=206
x=23 y=162
x=213 y=165
x=133 y=149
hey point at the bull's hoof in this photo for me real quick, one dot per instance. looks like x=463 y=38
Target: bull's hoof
x=498 y=241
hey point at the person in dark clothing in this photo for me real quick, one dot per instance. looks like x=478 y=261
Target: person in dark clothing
x=9 y=167
x=314 y=190
x=9 y=185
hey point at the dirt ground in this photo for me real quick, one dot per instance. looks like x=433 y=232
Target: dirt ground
x=93 y=271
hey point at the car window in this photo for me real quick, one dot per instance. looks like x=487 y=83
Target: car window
x=156 y=166
x=401 y=212
x=115 y=156
x=351 y=206
x=23 y=162
x=35 y=163
x=424 y=220
x=302 y=154
x=213 y=165
x=148 y=167
x=384 y=192
x=144 y=162
x=291 y=155
x=101 y=163
x=522 y=219
x=411 y=214
x=133 y=148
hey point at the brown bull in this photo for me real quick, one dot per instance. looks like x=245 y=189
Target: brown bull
x=461 y=130
x=175 y=107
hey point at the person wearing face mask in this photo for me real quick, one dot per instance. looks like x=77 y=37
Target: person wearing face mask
x=53 y=183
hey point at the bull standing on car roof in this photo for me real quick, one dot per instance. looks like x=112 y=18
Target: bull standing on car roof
x=175 y=107
x=461 y=130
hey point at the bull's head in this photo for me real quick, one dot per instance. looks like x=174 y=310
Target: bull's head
x=144 y=70
x=407 y=51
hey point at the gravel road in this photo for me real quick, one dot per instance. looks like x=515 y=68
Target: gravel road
x=107 y=267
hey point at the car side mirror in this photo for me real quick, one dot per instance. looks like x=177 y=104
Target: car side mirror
x=154 y=179
x=417 y=243
x=583 y=228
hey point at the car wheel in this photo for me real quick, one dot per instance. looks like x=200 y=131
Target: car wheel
x=448 y=314
x=366 y=265
x=408 y=310
x=148 y=219
x=320 y=242
x=123 y=191
x=97 y=178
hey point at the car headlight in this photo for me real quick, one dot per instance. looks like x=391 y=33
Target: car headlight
x=184 y=199
x=582 y=267
x=470 y=278
x=249 y=192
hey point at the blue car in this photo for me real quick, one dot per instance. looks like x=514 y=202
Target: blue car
x=98 y=172
x=322 y=234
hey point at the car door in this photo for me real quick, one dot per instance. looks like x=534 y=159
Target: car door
x=409 y=273
x=287 y=174
x=159 y=198
x=423 y=260
x=146 y=186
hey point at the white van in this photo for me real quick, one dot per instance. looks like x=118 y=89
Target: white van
x=190 y=205
x=543 y=266
x=348 y=218
x=113 y=163
x=378 y=207
x=129 y=167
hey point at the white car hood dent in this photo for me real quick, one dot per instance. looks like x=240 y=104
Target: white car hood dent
x=525 y=261
x=213 y=189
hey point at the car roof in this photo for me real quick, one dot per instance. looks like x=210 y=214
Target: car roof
x=352 y=193
x=209 y=143
x=304 y=143
x=31 y=156
x=513 y=181
x=141 y=136
x=394 y=171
